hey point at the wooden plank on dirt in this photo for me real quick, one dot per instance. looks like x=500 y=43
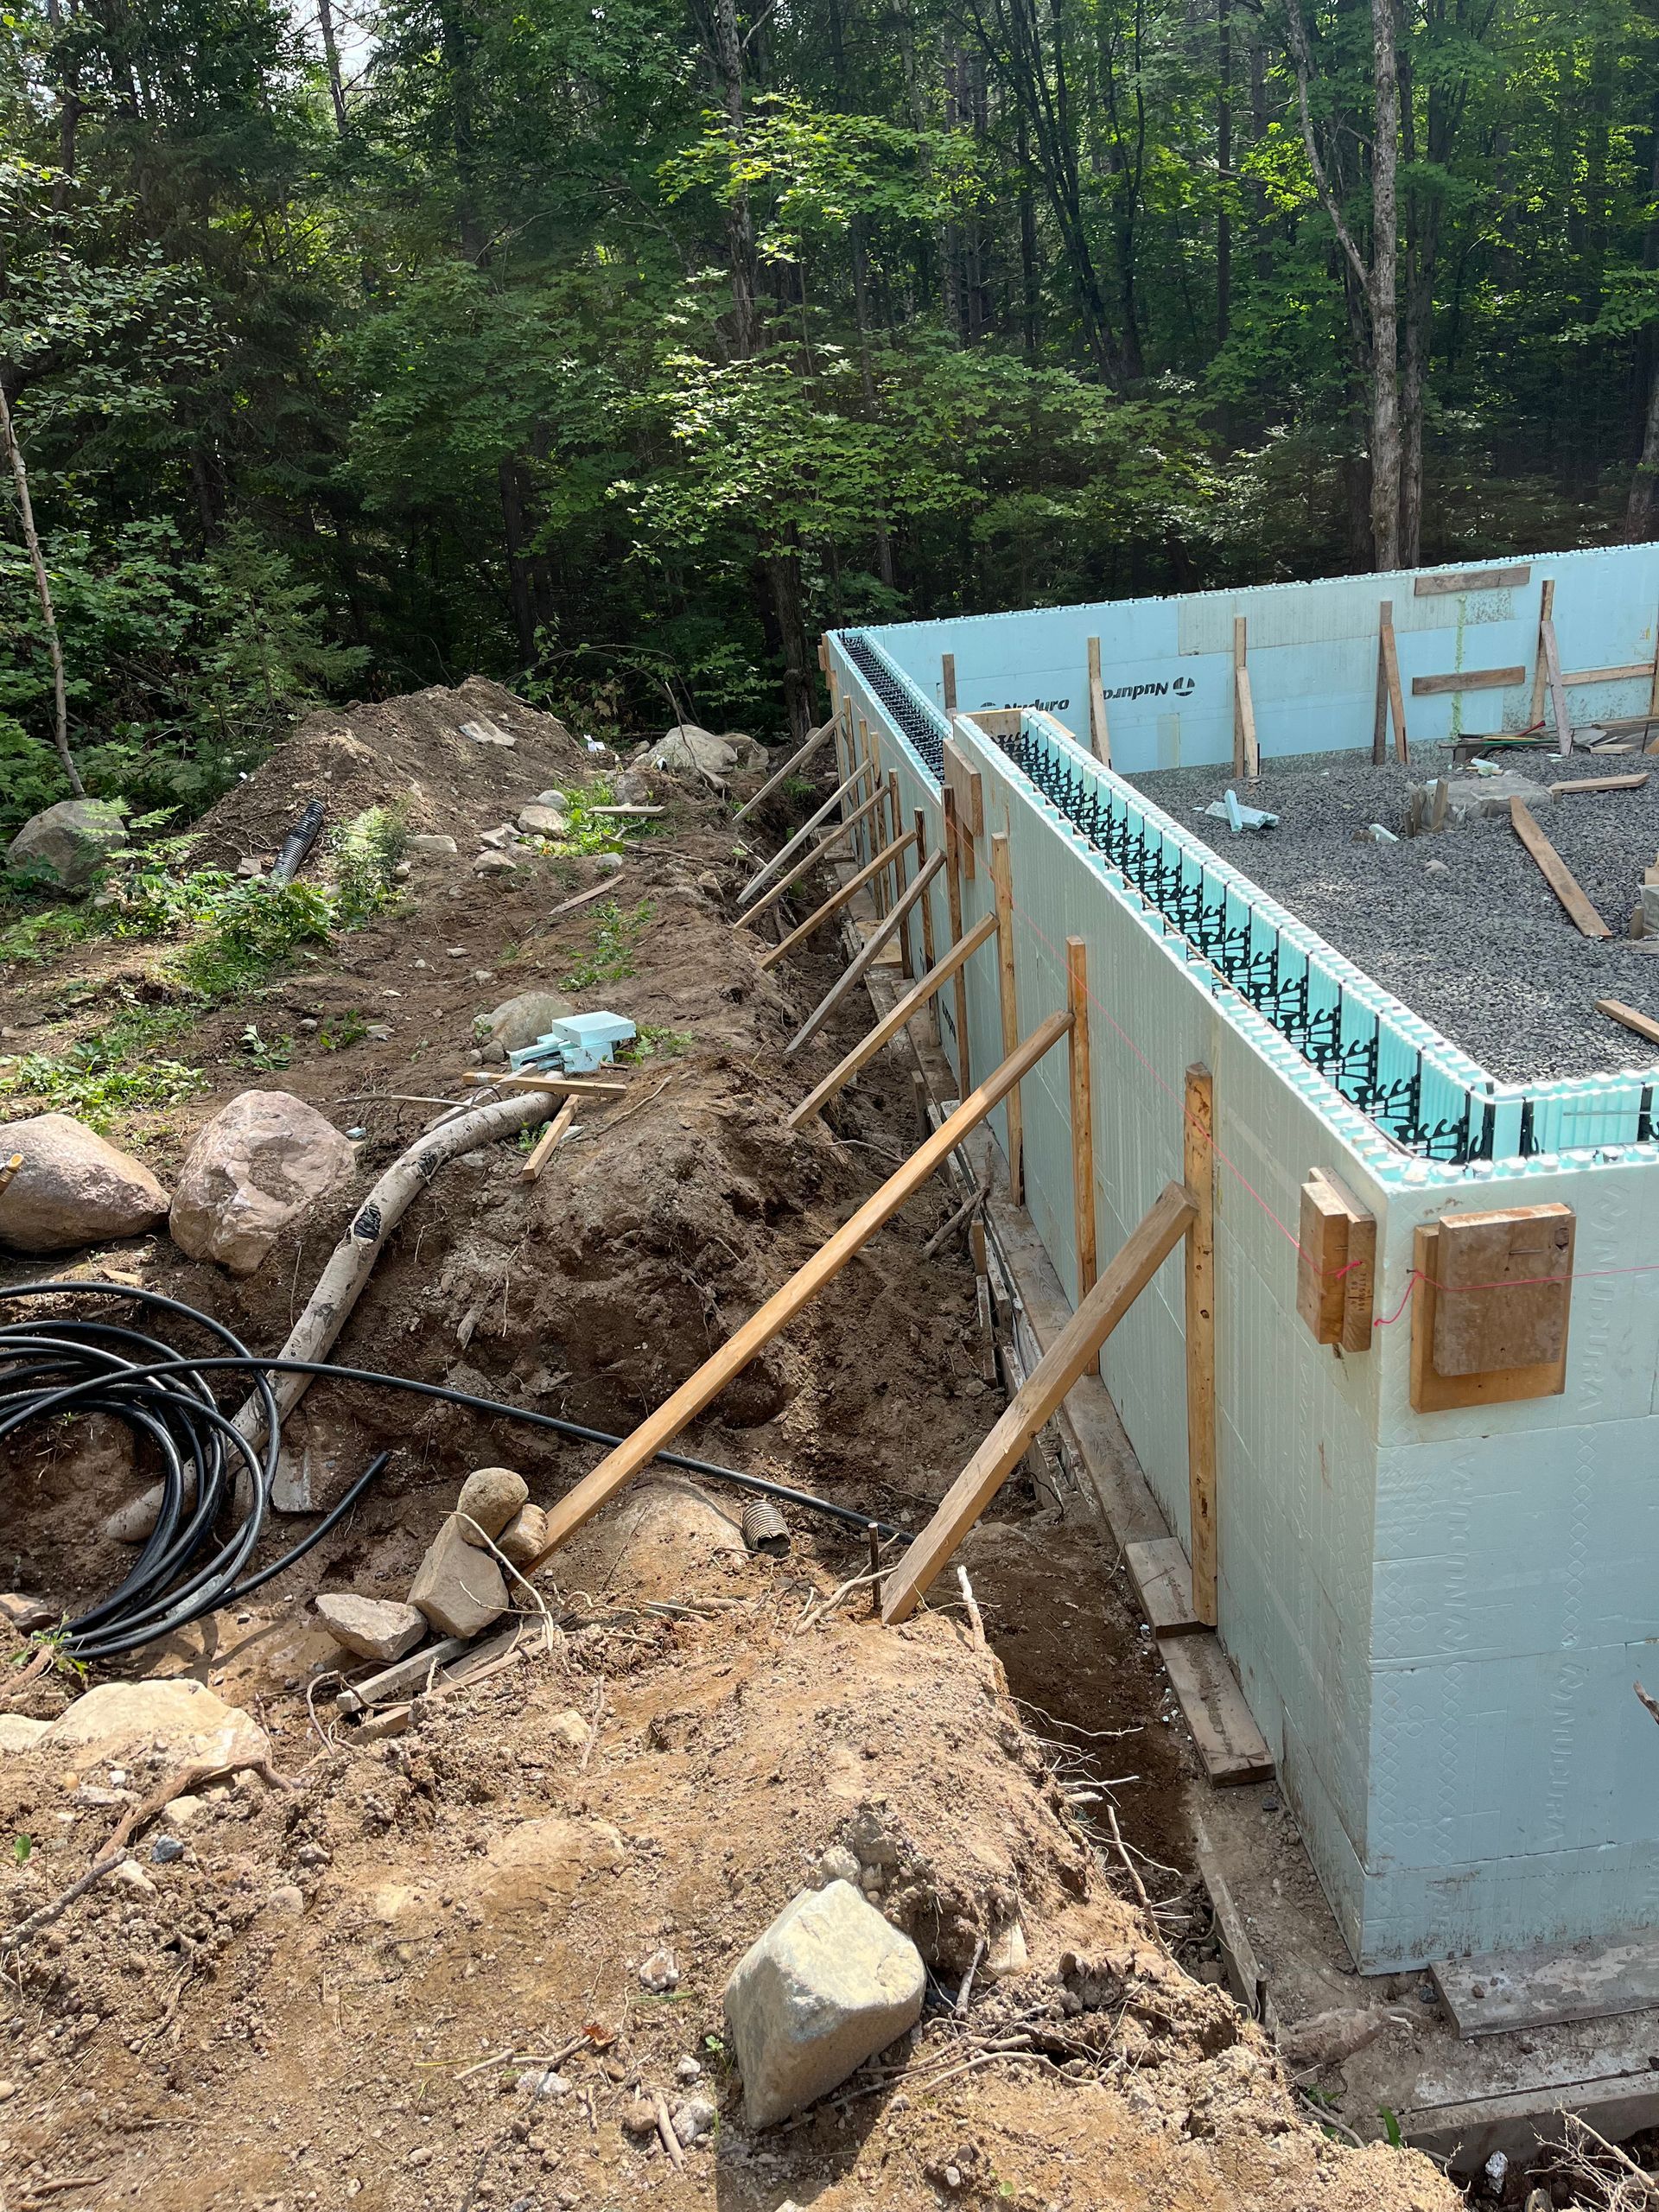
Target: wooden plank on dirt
x=1555 y=872
x=1549 y=1987
x=1503 y=1283
x=1233 y=1749
x=551 y=1138
x=1075 y=1349
x=1642 y=1023
x=1461 y=579
x=1467 y=679
x=1601 y=784
x=624 y=1460
x=1163 y=1582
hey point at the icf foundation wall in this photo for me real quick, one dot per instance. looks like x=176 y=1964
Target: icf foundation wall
x=1436 y=1618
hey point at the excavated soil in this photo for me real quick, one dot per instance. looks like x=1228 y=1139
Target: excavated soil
x=336 y=1992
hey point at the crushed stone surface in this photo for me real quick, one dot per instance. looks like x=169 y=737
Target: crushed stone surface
x=1483 y=951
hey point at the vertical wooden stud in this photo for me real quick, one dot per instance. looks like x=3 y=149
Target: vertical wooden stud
x=1380 y=727
x=1003 y=891
x=1100 y=740
x=1539 y=672
x=1653 y=694
x=1082 y=1115
x=1246 y=758
x=948 y=681
x=1199 y=1155
x=907 y=966
x=927 y=921
x=953 y=900
x=982 y=1289
x=1397 y=698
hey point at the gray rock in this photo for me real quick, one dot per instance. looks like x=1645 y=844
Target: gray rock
x=74 y=1188
x=838 y=1863
x=525 y=1536
x=25 y=1613
x=559 y=799
x=1471 y=797
x=489 y=1498
x=119 y=1723
x=262 y=1163
x=828 y=1985
x=519 y=1021
x=431 y=847
x=495 y=864
x=689 y=750
x=692 y=2119
x=165 y=1850
x=458 y=1586
x=67 y=845
x=543 y=821
x=633 y=789
x=608 y=863
x=372 y=1628
x=660 y=1973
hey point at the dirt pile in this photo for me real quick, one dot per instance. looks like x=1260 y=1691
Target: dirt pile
x=413 y=752
x=412 y=1975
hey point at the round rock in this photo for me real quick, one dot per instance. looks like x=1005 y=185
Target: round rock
x=74 y=1187
x=489 y=1498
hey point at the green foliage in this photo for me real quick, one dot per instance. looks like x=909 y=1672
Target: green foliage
x=366 y=851
x=22 y=1849
x=344 y=1030
x=266 y=1052
x=101 y=1079
x=653 y=1043
x=615 y=934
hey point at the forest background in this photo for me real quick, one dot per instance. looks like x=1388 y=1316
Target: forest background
x=615 y=347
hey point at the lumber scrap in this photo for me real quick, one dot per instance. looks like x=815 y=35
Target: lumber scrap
x=1467 y=679
x=1247 y=760
x=1601 y=784
x=1557 y=694
x=1390 y=699
x=837 y=898
x=1462 y=579
x=1075 y=1349
x=549 y=1140
x=620 y=1466
x=1642 y=1023
x=1335 y=1259
x=1163 y=1582
x=1434 y=1392
x=1503 y=1281
x=1555 y=872
x=793 y=766
x=892 y=1022
x=826 y=844
x=1626 y=674
x=587 y=1085
x=948 y=681
x=866 y=957
x=1081 y=1086
x=1198 y=1165
x=788 y=851
x=1228 y=1741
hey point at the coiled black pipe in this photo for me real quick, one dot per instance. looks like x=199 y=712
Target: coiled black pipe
x=185 y=1568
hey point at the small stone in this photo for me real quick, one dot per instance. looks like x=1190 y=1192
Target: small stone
x=288 y=1898
x=420 y=2156
x=458 y=1586
x=431 y=846
x=312 y=1855
x=543 y=2084
x=568 y=1727
x=371 y=1628
x=953 y=2177
x=827 y=1985
x=838 y=1863
x=19 y=1733
x=489 y=1498
x=495 y=864
x=710 y=885
x=379 y=1031
x=543 y=821
x=689 y=2069
x=639 y=2117
x=181 y=1813
x=26 y=1613
x=525 y=1537
x=608 y=863
x=8 y=2090
x=692 y=2119
x=660 y=1973
x=1435 y=867
x=131 y=1876
x=165 y=1850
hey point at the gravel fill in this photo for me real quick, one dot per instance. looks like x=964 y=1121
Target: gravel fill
x=1483 y=951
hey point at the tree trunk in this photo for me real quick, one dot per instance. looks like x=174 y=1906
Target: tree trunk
x=1641 y=512
x=516 y=534
x=457 y=44
x=43 y=593
x=1384 y=289
x=1028 y=278
x=1225 y=163
x=331 y=62
x=783 y=581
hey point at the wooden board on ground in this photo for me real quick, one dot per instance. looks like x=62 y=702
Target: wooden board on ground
x=1163 y=1582
x=1601 y=784
x=1555 y=871
x=1616 y=1010
x=1504 y=1280
x=1461 y=579
x=1550 y=1986
x=1434 y=1393
x=1233 y=1749
x=1467 y=679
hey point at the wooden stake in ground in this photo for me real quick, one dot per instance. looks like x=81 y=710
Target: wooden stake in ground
x=1198 y=1154
x=1557 y=694
x=948 y=681
x=1002 y=889
x=1539 y=672
x=1556 y=873
x=953 y=906
x=1390 y=699
x=625 y=1460
x=43 y=593
x=927 y=919
x=1247 y=760
x=1072 y=1351
x=793 y=766
x=1083 y=1114
x=549 y=1143
x=1100 y=740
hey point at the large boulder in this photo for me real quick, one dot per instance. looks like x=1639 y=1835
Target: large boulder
x=829 y=1985
x=119 y=1723
x=689 y=750
x=74 y=1187
x=260 y=1163
x=65 y=847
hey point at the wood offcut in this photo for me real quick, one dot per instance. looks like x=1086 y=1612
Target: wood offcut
x=1555 y=871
